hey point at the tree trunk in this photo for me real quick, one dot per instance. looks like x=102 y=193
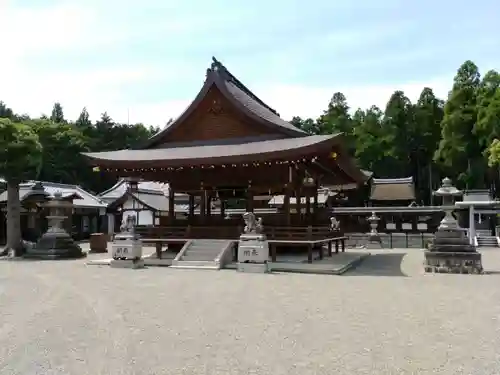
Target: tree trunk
x=14 y=243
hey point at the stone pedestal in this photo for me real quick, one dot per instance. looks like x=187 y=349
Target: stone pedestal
x=56 y=243
x=451 y=252
x=126 y=247
x=132 y=264
x=253 y=253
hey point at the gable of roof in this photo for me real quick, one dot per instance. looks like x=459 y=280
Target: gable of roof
x=119 y=189
x=392 y=189
x=238 y=95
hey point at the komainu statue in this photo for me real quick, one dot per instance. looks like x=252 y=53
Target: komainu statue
x=334 y=224
x=252 y=225
x=128 y=224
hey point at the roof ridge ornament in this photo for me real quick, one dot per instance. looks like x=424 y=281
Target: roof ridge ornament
x=218 y=67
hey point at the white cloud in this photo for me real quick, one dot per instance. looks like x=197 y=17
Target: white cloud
x=75 y=25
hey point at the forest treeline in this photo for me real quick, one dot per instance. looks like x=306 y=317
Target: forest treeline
x=427 y=139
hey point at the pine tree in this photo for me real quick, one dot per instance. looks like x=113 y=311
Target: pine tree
x=57 y=113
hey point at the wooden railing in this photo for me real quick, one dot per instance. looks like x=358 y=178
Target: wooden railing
x=273 y=233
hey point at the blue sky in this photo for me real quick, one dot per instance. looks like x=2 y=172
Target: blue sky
x=147 y=59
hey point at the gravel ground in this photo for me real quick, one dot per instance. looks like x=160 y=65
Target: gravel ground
x=386 y=317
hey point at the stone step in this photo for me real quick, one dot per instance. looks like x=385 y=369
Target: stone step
x=204 y=248
x=195 y=264
x=202 y=252
x=198 y=257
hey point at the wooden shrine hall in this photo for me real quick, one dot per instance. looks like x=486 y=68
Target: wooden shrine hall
x=229 y=146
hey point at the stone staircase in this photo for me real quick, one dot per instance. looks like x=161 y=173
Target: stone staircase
x=485 y=239
x=204 y=254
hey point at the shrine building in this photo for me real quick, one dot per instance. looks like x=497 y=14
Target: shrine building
x=229 y=146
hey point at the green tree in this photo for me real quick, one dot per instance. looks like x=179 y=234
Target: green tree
x=83 y=121
x=62 y=144
x=336 y=119
x=397 y=133
x=57 y=113
x=370 y=151
x=459 y=149
x=428 y=114
x=494 y=154
x=487 y=126
x=6 y=112
x=308 y=125
x=20 y=156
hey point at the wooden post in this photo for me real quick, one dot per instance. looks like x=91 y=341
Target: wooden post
x=286 y=206
x=222 y=208
x=308 y=206
x=273 y=251
x=191 y=207
x=329 y=248
x=310 y=246
x=171 y=203
x=208 y=204
x=249 y=198
x=315 y=202
x=298 y=206
x=203 y=203
x=310 y=253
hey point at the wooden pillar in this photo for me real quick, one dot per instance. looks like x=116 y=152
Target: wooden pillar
x=249 y=198
x=273 y=251
x=208 y=204
x=308 y=205
x=191 y=207
x=203 y=203
x=309 y=253
x=222 y=208
x=315 y=202
x=298 y=205
x=286 y=205
x=171 y=203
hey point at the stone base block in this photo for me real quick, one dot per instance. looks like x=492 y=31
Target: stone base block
x=453 y=262
x=253 y=267
x=133 y=264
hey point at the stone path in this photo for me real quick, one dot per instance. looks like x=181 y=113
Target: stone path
x=385 y=317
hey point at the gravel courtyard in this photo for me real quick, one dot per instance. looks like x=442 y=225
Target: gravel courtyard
x=386 y=317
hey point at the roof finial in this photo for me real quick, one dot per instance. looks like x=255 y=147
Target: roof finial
x=216 y=64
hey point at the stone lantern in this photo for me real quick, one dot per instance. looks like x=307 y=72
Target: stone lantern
x=373 y=235
x=450 y=250
x=56 y=243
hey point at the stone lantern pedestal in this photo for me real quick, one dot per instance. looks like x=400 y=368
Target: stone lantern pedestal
x=56 y=243
x=450 y=251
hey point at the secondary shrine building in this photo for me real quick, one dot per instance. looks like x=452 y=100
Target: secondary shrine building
x=228 y=147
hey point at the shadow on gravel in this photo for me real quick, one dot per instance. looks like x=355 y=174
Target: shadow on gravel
x=379 y=265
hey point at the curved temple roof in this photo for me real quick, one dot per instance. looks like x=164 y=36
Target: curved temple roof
x=240 y=96
x=197 y=155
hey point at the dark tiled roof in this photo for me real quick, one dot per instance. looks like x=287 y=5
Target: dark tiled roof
x=392 y=189
x=250 y=101
x=82 y=198
x=252 y=151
